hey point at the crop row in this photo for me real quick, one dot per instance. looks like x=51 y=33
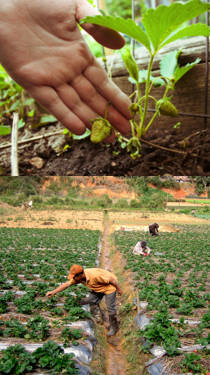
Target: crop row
x=33 y=261
x=174 y=280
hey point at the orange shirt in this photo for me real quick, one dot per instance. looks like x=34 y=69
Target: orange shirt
x=98 y=280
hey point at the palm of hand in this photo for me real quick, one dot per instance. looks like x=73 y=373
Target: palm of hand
x=51 y=60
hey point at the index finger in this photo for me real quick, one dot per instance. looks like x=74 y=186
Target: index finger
x=107 y=88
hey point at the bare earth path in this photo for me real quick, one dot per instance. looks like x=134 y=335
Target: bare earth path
x=115 y=358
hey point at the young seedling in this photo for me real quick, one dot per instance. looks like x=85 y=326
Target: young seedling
x=159 y=27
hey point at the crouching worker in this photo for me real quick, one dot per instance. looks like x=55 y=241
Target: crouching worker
x=141 y=248
x=101 y=283
x=153 y=229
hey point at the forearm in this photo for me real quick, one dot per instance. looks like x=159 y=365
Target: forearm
x=115 y=284
x=61 y=287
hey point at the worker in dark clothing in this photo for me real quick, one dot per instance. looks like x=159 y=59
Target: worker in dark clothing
x=102 y=283
x=153 y=229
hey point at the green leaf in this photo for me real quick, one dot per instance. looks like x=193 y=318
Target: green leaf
x=29 y=101
x=197 y=29
x=46 y=119
x=5 y=130
x=126 y=26
x=181 y=70
x=168 y=64
x=84 y=135
x=161 y=22
x=157 y=81
x=21 y=123
x=170 y=69
x=31 y=113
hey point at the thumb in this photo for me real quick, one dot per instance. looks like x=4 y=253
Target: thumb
x=107 y=37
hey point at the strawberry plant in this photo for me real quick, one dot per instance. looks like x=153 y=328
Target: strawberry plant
x=191 y=362
x=3 y=305
x=161 y=330
x=71 y=335
x=52 y=357
x=38 y=328
x=168 y=284
x=14 y=328
x=16 y=360
x=159 y=27
x=206 y=320
x=76 y=313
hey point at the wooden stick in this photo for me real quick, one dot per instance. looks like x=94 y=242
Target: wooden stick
x=33 y=139
x=14 y=148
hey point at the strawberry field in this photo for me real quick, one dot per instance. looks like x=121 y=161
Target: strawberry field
x=38 y=334
x=174 y=281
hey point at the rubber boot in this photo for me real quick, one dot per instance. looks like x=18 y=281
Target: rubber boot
x=114 y=325
x=97 y=314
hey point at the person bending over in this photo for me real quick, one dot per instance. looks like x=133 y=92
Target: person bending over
x=153 y=229
x=102 y=283
x=141 y=248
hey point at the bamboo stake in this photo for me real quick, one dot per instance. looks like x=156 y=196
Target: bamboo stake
x=14 y=148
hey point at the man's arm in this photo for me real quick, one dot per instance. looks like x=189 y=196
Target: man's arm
x=116 y=285
x=60 y=288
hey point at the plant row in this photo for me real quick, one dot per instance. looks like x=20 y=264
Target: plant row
x=174 y=282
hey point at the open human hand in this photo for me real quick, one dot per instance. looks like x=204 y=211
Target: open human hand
x=43 y=50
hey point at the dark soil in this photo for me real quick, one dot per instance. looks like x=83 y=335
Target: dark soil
x=190 y=157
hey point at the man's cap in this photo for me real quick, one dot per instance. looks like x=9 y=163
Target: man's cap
x=74 y=270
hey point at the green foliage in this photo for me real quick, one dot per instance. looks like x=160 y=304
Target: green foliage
x=38 y=328
x=120 y=8
x=3 y=305
x=52 y=357
x=191 y=362
x=54 y=251
x=160 y=24
x=71 y=336
x=14 y=328
x=16 y=360
x=165 y=183
x=16 y=190
x=161 y=331
x=206 y=320
x=174 y=276
x=201 y=183
x=159 y=27
x=13 y=98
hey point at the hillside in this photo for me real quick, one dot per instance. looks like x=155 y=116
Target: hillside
x=106 y=189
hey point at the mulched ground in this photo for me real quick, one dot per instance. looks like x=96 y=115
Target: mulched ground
x=190 y=157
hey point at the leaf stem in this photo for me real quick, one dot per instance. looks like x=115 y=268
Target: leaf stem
x=150 y=123
x=147 y=91
x=139 y=99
